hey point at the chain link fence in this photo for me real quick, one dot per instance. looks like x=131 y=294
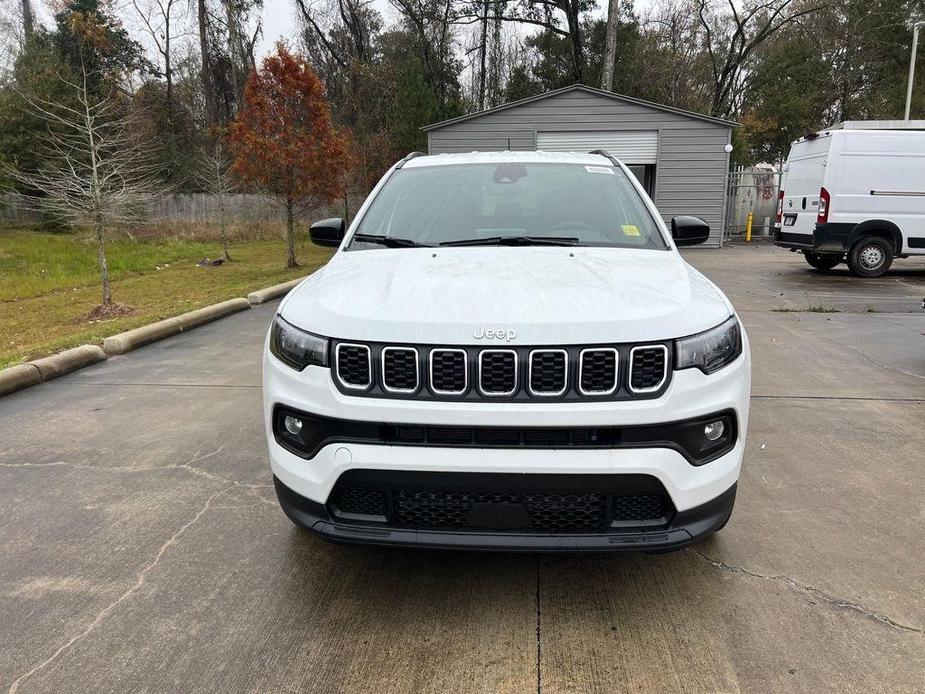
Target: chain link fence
x=751 y=189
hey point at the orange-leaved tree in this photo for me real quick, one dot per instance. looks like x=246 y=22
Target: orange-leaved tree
x=284 y=142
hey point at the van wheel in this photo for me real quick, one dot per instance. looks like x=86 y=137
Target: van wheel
x=822 y=261
x=870 y=257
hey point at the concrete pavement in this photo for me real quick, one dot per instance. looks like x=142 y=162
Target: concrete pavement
x=142 y=549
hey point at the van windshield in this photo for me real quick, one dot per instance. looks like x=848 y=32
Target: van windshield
x=476 y=204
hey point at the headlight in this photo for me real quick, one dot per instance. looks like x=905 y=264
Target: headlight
x=295 y=347
x=712 y=349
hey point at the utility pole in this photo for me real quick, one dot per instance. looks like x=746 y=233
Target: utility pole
x=915 y=45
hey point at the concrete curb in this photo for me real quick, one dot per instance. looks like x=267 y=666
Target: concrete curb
x=210 y=313
x=34 y=372
x=261 y=296
x=68 y=360
x=17 y=377
x=132 y=339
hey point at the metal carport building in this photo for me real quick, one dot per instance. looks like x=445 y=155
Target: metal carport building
x=679 y=156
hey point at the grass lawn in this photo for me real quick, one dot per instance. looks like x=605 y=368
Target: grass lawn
x=50 y=281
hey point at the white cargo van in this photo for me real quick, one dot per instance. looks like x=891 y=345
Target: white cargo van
x=855 y=193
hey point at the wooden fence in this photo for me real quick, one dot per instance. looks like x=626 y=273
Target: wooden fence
x=197 y=208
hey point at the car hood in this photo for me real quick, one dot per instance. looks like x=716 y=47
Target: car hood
x=534 y=295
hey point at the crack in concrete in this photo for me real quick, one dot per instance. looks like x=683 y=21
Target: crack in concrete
x=188 y=466
x=812 y=590
x=139 y=582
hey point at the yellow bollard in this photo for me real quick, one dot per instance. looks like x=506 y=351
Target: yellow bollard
x=748 y=226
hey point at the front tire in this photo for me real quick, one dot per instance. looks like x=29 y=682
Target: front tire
x=870 y=257
x=822 y=261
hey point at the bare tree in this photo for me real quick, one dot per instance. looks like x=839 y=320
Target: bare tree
x=244 y=28
x=549 y=15
x=732 y=35
x=97 y=174
x=208 y=71
x=214 y=177
x=431 y=22
x=160 y=19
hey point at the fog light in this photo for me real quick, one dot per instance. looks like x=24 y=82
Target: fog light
x=713 y=431
x=293 y=424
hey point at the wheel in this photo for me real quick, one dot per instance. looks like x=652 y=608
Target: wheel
x=870 y=257
x=822 y=261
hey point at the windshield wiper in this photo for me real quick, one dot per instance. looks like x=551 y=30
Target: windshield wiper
x=390 y=241
x=515 y=241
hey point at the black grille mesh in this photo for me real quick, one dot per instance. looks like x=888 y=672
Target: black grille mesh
x=498 y=372
x=648 y=367
x=598 y=371
x=400 y=369
x=638 y=507
x=551 y=512
x=367 y=502
x=449 y=370
x=353 y=365
x=449 y=507
x=548 y=372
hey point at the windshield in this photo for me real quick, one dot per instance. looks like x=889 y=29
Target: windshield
x=491 y=203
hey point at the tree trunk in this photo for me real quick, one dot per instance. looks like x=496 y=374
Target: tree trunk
x=101 y=255
x=168 y=78
x=483 y=54
x=208 y=83
x=27 y=21
x=610 y=49
x=290 y=236
x=234 y=51
x=221 y=225
x=496 y=60
x=574 y=29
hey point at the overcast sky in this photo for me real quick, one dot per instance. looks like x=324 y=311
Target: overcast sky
x=279 y=17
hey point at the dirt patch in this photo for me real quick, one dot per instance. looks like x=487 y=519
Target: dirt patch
x=108 y=311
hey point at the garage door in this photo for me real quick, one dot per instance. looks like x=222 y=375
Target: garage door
x=629 y=146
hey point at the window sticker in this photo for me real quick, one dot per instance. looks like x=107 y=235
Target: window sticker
x=599 y=169
x=630 y=230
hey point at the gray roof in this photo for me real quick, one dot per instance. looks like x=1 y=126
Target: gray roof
x=589 y=90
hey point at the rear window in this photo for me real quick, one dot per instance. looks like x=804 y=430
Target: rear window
x=596 y=205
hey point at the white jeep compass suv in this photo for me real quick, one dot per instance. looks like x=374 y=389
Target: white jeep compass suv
x=507 y=352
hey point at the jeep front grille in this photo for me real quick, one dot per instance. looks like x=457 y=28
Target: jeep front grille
x=498 y=372
x=400 y=369
x=548 y=373
x=430 y=372
x=449 y=371
x=354 y=369
x=649 y=368
x=598 y=371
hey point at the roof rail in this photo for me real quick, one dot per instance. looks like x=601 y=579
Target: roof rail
x=608 y=155
x=410 y=155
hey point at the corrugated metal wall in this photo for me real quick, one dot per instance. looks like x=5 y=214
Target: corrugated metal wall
x=630 y=146
x=690 y=169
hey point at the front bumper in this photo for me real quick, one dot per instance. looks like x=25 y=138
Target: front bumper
x=690 y=395
x=700 y=496
x=686 y=527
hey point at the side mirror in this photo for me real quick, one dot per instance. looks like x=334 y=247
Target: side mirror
x=328 y=232
x=689 y=231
